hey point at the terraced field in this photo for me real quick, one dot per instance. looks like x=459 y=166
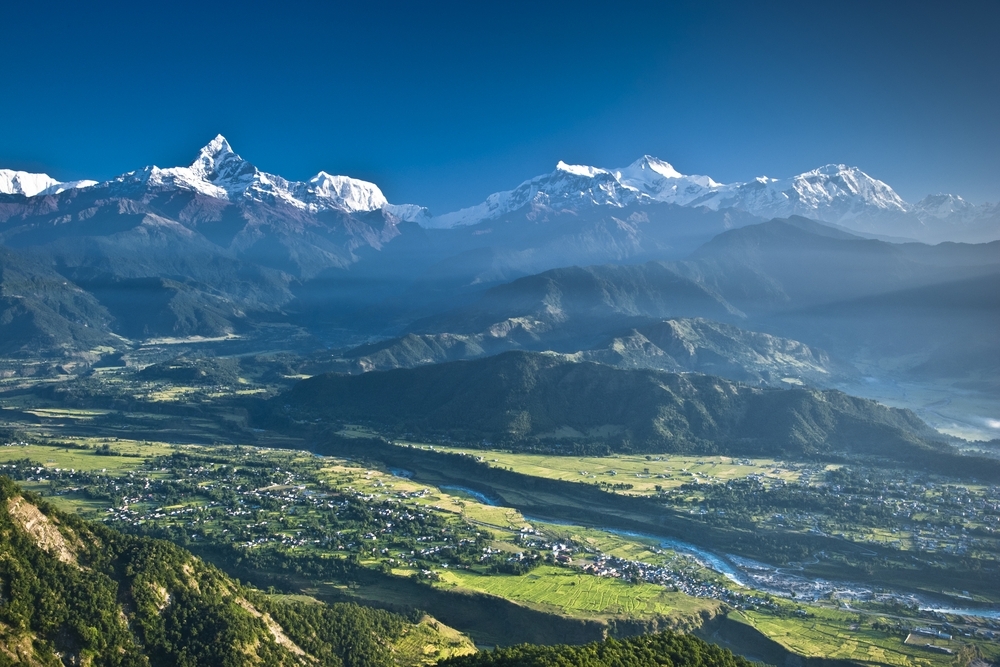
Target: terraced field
x=831 y=634
x=644 y=475
x=567 y=591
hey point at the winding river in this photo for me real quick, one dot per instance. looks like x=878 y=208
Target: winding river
x=781 y=581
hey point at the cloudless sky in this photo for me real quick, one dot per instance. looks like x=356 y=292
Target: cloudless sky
x=442 y=103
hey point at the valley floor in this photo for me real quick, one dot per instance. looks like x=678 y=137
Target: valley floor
x=753 y=553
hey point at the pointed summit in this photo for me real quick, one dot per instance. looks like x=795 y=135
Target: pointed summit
x=648 y=163
x=215 y=148
x=217 y=161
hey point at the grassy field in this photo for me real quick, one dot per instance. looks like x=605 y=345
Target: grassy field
x=130 y=454
x=430 y=641
x=568 y=592
x=644 y=473
x=830 y=633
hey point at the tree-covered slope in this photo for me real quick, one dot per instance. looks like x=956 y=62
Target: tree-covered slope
x=41 y=310
x=665 y=649
x=78 y=593
x=526 y=400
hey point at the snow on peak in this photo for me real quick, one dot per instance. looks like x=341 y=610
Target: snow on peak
x=341 y=192
x=833 y=193
x=569 y=186
x=661 y=182
x=219 y=172
x=840 y=182
x=651 y=165
x=216 y=147
x=942 y=206
x=69 y=185
x=573 y=186
x=24 y=183
x=579 y=169
x=213 y=159
x=31 y=185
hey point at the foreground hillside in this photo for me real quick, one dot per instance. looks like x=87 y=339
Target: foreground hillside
x=77 y=593
x=545 y=401
x=650 y=650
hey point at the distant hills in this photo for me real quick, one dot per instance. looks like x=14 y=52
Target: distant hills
x=826 y=298
x=795 y=262
x=531 y=401
x=676 y=344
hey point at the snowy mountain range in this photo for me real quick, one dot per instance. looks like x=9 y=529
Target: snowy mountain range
x=220 y=173
x=834 y=193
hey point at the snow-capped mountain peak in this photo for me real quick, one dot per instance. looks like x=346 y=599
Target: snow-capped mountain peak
x=942 y=206
x=838 y=180
x=834 y=193
x=341 y=192
x=31 y=185
x=661 y=182
x=219 y=172
x=569 y=186
x=579 y=169
x=217 y=161
x=648 y=164
x=24 y=183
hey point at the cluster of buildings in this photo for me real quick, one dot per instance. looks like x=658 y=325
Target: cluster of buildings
x=604 y=565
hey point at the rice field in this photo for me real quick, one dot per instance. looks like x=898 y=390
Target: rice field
x=644 y=473
x=569 y=592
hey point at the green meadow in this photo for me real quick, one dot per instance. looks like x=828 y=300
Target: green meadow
x=568 y=592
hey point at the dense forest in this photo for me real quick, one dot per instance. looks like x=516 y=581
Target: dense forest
x=545 y=403
x=665 y=649
x=73 y=592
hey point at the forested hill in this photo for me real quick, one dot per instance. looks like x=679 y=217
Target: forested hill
x=77 y=593
x=661 y=650
x=545 y=401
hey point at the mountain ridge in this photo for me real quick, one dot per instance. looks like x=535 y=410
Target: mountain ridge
x=834 y=193
x=547 y=402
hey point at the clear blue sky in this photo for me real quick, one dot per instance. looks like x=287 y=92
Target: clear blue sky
x=442 y=103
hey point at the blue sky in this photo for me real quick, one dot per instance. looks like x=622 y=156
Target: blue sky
x=442 y=103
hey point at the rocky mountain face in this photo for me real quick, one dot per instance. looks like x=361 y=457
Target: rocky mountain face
x=677 y=345
x=714 y=348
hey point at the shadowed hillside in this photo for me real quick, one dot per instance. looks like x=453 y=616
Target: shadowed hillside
x=528 y=401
